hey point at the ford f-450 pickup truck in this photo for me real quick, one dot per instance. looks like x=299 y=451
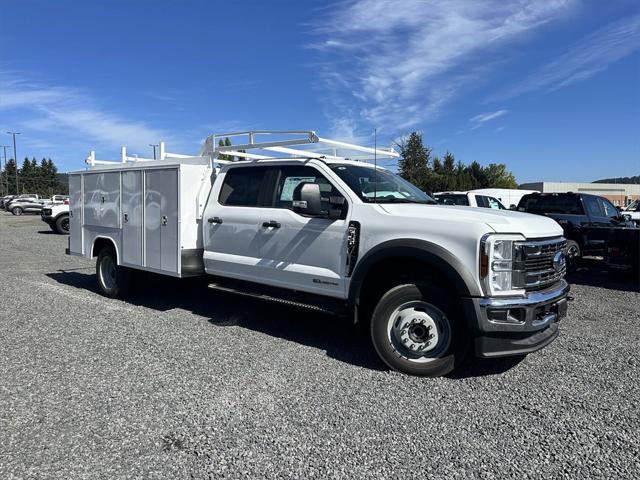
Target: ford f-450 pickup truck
x=433 y=283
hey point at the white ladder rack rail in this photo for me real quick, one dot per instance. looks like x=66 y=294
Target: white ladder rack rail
x=213 y=151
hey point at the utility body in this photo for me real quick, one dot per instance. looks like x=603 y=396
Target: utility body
x=330 y=232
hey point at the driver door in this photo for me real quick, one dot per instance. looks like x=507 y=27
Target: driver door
x=300 y=252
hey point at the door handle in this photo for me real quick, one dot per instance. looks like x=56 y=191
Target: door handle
x=165 y=220
x=126 y=218
x=217 y=220
x=271 y=224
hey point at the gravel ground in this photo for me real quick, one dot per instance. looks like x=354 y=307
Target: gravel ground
x=182 y=382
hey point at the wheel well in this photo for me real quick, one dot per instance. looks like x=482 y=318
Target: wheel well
x=393 y=271
x=102 y=242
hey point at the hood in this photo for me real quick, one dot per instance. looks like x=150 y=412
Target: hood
x=501 y=221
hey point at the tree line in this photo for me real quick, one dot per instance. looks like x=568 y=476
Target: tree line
x=33 y=177
x=433 y=174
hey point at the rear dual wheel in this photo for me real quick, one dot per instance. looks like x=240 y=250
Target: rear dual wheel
x=114 y=280
x=416 y=329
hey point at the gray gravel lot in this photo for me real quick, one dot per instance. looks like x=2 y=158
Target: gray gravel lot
x=183 y=382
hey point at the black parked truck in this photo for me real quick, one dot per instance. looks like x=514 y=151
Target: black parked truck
x=590 y=223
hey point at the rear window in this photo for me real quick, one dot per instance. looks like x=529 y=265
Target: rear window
x=452 y=199
x=242 y=186
x=567 y=204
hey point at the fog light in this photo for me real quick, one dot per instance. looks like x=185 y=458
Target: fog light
x=514 y=316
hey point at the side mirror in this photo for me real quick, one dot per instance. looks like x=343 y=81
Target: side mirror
x=626 y=217
x=309 y=202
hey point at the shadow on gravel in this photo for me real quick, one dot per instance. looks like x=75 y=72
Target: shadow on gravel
x=47 y=232
x=594 y=275
x=336 y=336
x=482 y=367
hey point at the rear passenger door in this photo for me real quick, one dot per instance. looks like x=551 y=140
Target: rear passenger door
x=232 y=222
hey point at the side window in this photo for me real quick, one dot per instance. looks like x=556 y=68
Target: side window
x=493 y=203
x=242 y=187
x=292 y=176
x=593 y=206
x=481 y=201
x=608 y=209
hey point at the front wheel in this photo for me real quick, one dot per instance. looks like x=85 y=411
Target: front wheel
x=16 y=211
x=62 y=224
x=114 y=280
x=417 y=331
x=573 y=255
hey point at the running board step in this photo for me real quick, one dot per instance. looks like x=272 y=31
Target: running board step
x=325 y=305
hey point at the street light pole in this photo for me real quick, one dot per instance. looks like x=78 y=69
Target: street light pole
x=154 y=149
x=15 y=157
x=6 y=174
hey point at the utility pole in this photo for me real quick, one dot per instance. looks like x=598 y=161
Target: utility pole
x=6 y=174
x=15 y=157
x=154 y=149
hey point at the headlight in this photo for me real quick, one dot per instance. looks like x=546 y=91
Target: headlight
x=501 y=268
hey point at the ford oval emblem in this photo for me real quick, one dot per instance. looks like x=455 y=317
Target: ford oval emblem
x=559 y=261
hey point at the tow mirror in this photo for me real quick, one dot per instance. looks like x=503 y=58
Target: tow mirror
x=309 y=202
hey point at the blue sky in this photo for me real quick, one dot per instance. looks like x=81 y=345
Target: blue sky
x=551 y=88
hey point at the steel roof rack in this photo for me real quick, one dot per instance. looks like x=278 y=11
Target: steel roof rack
x=277 y=141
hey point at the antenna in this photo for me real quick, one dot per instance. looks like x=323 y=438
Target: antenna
x=375 y=165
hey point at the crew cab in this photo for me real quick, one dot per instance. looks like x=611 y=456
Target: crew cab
x=588 y=221
x=469 y=199
x=57 y=216
x=322 y=232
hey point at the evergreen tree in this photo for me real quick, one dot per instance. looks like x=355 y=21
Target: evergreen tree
x=25 y=177
x=225 y=143
x=10 y=176
x=414 y=162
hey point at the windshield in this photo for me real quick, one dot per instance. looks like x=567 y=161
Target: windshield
x=380 y=186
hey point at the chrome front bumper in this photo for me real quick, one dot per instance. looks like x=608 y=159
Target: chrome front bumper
x=515 y=326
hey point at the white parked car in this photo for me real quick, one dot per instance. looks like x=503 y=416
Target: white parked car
x=633 y=211
x=468 y=199
x=329 y=234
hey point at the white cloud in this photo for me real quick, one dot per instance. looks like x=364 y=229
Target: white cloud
x=73 y=116
x=485 y=117
x=402 y=61
x=482 y=118
x=591 y=55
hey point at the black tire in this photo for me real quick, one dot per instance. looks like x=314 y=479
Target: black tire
x=574 y=254
x=52 y=226
x=62 y=224
x=422 y=302
x=114 y=280
x=16 y=210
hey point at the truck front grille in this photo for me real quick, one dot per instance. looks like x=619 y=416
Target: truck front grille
x=541 y=265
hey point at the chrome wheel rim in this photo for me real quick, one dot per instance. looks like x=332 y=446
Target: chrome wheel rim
x=108 y=272
x=419 y=332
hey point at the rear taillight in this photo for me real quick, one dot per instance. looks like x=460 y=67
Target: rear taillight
x=66 y=202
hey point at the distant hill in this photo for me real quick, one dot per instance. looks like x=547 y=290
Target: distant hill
x=635 y=179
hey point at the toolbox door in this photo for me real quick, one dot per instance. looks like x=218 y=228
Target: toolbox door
x=132 y=217
x=75 y=213
x=161 y=219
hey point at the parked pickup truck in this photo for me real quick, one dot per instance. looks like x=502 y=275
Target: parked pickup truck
x=57 y=216
x=330 y=234
x=588 y=221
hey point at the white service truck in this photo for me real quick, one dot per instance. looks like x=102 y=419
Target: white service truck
x=328 y=232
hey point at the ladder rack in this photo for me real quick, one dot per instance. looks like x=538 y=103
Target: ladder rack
x=277 y=141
